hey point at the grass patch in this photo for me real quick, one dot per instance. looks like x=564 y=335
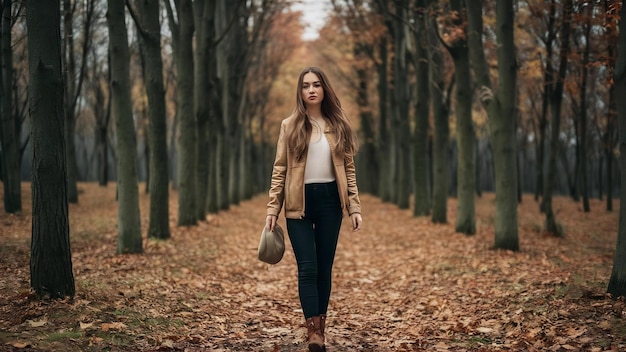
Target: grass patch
x=64 y=335
x=478 y=340
x=115 y=338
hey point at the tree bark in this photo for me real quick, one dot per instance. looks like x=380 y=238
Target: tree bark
x=70 y=88
x=215 y=117
x=556 y=98
x=401 y=102
x=610 y=134
x=384 y=143
x=51 y=260
x=466 y=175
x=368 y=163
x=548 y=78
x=9 y=137
x=582 y=129
x=129 y=223
x=617 y=282
x=149 y=29
x=442 y=129
x=204 y=14
x=420 y=139
x=501 y=111
x=182 y=35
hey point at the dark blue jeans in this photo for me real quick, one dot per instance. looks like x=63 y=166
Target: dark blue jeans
x=314 y=241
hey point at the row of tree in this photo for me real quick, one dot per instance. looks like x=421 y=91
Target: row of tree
x=202 y=83
x=538 y=68
x=198 y=95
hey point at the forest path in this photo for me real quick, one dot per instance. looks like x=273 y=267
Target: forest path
x=400 y=284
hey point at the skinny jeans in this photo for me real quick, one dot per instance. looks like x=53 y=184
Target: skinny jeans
x=314 y=240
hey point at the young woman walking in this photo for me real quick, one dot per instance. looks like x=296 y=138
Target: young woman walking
x=314 y=179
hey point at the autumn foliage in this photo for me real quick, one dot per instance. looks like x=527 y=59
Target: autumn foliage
x=401 y=284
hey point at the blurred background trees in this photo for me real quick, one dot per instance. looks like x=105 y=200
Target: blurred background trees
x=210 y=82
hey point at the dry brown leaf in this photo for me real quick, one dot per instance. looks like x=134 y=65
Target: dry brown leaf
x=20 y=344
x=37 y=323
x=113 y=326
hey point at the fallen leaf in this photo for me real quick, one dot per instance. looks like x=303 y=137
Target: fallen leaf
x=84 y=326
x=113 y=326
x=38 y=323
x=20 y=344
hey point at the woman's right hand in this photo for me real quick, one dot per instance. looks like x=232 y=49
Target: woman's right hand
x=270 y=222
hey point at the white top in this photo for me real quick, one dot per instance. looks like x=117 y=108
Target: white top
x=319 y=164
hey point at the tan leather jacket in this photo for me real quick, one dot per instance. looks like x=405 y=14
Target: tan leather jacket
x=288 y=178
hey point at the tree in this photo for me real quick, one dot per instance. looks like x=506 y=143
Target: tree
x=386 y=147
x=421 y=193
x=129 y=222
x=442 y=126
x=547 y=40
x=401 y=101
x=610 y=135
x=466 y=175
x=9 y=136
x=51 y=261
x=501 y=111
x=582 y=108
x=204 y=15
x=182 y=29
x=556 y=98
x=148 y=25
x=74 y=77
x=617 y=282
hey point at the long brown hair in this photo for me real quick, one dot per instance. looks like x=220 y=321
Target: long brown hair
x=346 y=139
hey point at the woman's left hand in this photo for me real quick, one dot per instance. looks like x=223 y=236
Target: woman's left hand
x=357 y=220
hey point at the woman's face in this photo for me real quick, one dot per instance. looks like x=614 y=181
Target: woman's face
x=312 y=91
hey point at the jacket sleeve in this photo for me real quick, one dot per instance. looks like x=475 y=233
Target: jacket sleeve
x=277 y=185
x=354 y=203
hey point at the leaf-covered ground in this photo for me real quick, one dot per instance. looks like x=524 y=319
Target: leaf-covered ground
x=400 y=284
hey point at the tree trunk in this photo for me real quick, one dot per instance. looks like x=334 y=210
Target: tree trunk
x=204 y=15
x=51 y=260
x=102 y=114
x=466 y=174
x=420 y=156
x=215 y=121
x=182 y=35
x=150 y=36
x=548 y=77
x=617 y=282
x=401 y=104
x=129 y=223
x=384 y=157
x=501 y=111
x=610 y=134
x=582 y=129
x=442 y=129
x=556 y=98
x=9 y=137
x=368 y=164
x=70 y=90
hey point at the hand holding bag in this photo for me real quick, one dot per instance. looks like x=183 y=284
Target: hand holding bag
x=272 y=245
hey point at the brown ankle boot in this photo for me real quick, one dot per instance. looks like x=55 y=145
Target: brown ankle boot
x=322 y=326
x=314 y=334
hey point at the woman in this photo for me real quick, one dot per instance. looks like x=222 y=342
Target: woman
x=314 y=176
